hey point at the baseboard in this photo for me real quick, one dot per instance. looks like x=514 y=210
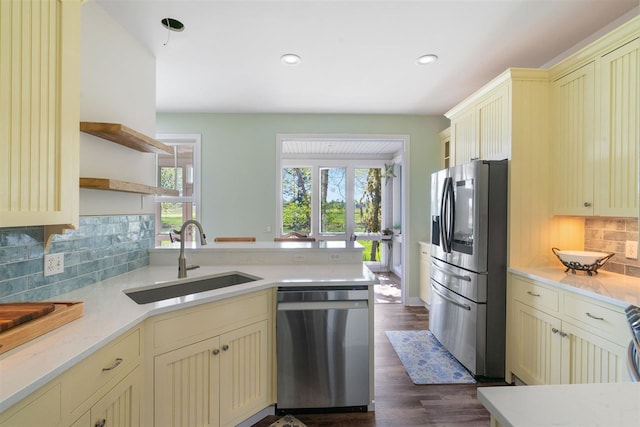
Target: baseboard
x=414 y=302
x=269 y=410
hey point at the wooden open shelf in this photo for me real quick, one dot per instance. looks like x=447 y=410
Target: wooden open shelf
x=124 y=186
x=123 y=135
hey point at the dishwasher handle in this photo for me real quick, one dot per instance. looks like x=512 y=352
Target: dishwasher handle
x=322 y=305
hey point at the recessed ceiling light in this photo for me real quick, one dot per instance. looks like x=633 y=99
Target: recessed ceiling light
x=426 y=59
x=172 y=24
x=290 y=59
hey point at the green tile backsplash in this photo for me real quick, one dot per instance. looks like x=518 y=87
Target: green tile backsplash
x=101 y=247
x=610 y=235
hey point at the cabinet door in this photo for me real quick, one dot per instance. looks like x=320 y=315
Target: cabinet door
x=39 y=112
x=40 y=409
x=464 y=137
x=573 y=142
x=617 y=174
x=120 y=407
x=425 y=276
x=186 y=386
x=589 y=358
x=244 y=375
x=534 y=345
x=494 y=125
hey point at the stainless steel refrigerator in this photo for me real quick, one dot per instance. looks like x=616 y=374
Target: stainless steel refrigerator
x=468 y=264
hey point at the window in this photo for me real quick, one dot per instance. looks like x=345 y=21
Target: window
x=333 y=201
x=296 y=200
x=179 y=171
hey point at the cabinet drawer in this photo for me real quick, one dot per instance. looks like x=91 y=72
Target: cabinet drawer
x=611 y=323
x=190 y=325
x=109 y=364
x=533 y=294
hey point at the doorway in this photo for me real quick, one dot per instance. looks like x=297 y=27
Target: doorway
x=346 y=187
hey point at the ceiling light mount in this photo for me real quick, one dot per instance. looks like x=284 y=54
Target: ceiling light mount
x=290 y=59
x=172 y=24
x=426 y=59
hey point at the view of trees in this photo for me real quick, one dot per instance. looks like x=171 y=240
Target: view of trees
x=296 y=200
x=296 y=203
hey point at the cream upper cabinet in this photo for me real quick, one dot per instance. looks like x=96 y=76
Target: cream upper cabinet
x=464 y=137
x=445 y=148
x=558 y=337
x=39 y=112
x=616 y=189
x=493 y=118
x=573 y=99
x=481 y=129
x=595 y=128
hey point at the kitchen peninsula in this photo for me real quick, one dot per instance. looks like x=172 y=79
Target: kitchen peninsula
x=34 y=370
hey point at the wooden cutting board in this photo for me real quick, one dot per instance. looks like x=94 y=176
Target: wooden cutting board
x=16 y=313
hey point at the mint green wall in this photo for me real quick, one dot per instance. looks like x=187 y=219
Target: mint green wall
x=239 y=159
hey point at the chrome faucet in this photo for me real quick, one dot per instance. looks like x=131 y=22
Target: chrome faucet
x=182 y=261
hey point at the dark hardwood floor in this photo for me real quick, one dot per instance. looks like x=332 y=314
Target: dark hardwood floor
x=399 y=402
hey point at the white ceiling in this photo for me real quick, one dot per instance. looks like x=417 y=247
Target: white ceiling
x=358 y=56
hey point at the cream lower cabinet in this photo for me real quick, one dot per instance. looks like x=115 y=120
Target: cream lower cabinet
x=212 y=364
x=119 y=407
x=557 y=337
x=425 y=276
x=105 y=389
x=216 y=382
x=42 y=408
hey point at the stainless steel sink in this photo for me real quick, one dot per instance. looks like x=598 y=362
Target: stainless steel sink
x=161 y=292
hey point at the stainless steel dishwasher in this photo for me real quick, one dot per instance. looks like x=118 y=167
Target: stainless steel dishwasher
x=323 y=343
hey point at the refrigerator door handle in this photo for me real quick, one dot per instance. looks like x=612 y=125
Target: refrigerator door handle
x=451 y=300
x=449 y=273
x=442 y=218
x=452 y=213
x=447 y=212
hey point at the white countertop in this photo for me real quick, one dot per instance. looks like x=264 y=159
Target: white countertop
x=612 y=288
x=108 y=312
x=564 y=405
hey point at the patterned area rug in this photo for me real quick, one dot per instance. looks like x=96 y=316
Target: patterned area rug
x=288 y=421
x=426 y=360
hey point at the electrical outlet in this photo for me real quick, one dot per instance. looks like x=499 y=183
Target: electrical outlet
x=631 y=249
x=53 y=264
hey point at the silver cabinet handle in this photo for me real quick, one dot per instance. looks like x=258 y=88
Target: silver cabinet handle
x=114 y=366
x=215 y=352
x=587 y=204
x=101 y=423
x=225 y=347
x=557 y=331
x=532 y=294
x=594 y=317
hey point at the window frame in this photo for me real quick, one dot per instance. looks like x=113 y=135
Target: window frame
x=195 y=199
